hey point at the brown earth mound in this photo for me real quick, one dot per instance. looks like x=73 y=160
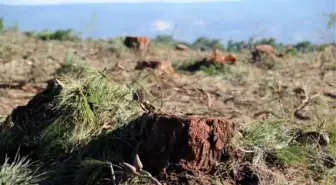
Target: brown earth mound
x=192 y=142
x=23 y=126
x=166 y=143
x=163 y=66
x=136 y=42
x=260 y=50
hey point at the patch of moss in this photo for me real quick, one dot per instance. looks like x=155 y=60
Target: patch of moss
x=292 y=155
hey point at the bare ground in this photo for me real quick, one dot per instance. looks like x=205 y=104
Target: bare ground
x=243 y=95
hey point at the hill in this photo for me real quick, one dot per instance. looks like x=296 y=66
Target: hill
x=287 y=20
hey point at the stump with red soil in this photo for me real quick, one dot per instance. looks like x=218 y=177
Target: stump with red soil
x=167 y=143
x=162 y=66
x=191 y=143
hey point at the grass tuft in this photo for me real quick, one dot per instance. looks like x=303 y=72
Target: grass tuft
x=19 y=172
x=91 y=172
x=268 y=134
x=232 y=73
x=292 y=155
x=88 y=103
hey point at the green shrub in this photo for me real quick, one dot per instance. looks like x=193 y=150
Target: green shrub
x=1 y=25
x=29 y=33
x=206 y=43
x=61 y=35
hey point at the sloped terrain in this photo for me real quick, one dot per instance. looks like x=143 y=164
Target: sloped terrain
x=77 y=107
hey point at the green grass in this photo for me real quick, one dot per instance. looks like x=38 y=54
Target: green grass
x=19 y=172
x=73 y=66
x=89 y=105
x=232 y=73
x=329 y=177
x=86 y=104
x=327 y=59
x=61 y=35
x=1 y=25
x=275 y=137
x=292 y=155
x=91 y=172
x=332 y=144
x=268 y=134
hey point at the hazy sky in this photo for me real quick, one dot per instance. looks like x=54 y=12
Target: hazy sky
x=26 y=2
x=290 y=21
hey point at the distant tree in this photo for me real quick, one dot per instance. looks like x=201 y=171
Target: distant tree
x=29 y=33
x=250 y=43
x=1 y=24
x=241 y=45
x=270 y=41
x=230 y=46
x=216 y=43
x=238 y=45
x=303 y=46
x=203 y=42
x=168 y=39
x=62 y=35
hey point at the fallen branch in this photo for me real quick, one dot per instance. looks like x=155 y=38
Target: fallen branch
x=330 y=94
x=136 y=169
x=208 y=97
x=255 y=115
x=304 y=103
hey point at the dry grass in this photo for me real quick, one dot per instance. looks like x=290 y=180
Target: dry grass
x=265 y=102
x=19 y=172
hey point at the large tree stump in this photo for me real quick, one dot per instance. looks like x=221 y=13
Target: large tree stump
x=190 y=142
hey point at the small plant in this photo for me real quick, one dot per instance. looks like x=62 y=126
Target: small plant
x=328 y=59
x=268 y=134
x=136 y=170
x=292 y=155
x=95 y=171
x=19 y=172
x=72 y=66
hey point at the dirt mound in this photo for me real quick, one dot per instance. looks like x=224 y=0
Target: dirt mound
x=166 y=143
x=191 y=142
x=23 y=126
x=163 y=66
x=260 y=50
x=136 y=42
